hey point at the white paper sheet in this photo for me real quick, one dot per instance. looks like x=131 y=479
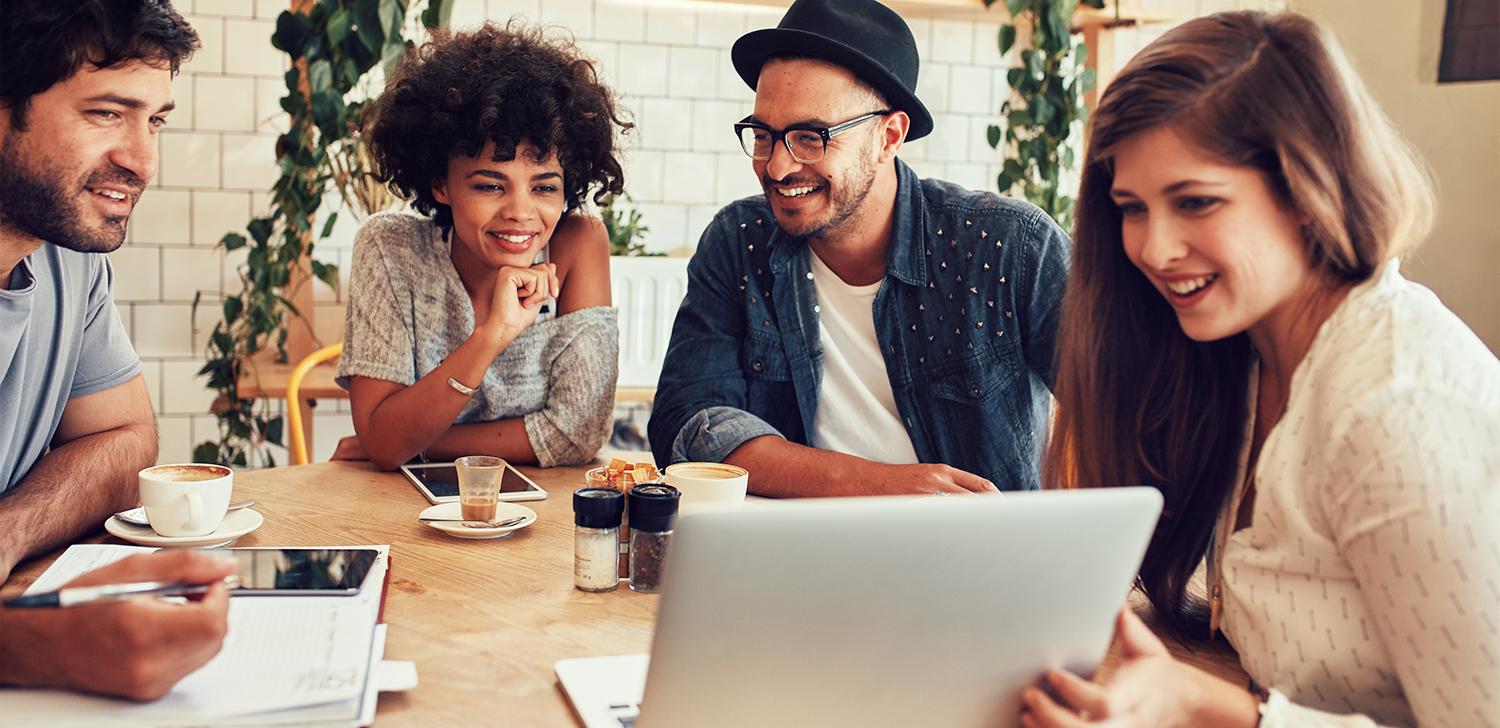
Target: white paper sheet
x=281 y=653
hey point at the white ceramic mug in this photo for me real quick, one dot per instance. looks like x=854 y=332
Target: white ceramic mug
x=708 y=483
x=185 y=500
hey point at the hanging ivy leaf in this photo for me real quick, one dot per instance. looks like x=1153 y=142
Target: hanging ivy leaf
x=1007 y=38
x=1044 y=103
x=291 y=33
x=439 y=12
x=331 y=45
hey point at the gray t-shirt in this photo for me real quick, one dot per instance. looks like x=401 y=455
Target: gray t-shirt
x=60 y=337
x=408 y=310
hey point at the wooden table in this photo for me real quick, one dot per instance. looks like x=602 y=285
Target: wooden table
x=483 y=620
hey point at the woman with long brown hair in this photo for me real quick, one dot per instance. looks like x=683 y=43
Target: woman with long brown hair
x=1237 y=333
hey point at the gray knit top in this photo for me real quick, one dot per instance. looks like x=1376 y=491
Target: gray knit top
x=408 y=310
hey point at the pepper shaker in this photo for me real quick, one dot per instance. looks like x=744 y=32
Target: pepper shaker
x=596 y=538
x=652 y=509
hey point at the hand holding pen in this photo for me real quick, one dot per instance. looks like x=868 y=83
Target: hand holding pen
x=134 y=648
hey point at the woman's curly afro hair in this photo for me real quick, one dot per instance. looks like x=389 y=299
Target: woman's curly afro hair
x=507 y=85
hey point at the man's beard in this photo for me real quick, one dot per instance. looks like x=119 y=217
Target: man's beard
x=845 y=197
x=37 y=202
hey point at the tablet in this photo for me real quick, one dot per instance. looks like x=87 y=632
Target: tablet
x=439 y=483
x=300 y=572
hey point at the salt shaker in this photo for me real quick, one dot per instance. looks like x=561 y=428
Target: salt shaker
x=652 y=508
x=596 y=538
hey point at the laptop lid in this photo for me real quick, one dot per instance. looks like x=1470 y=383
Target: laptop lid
x=888 y=611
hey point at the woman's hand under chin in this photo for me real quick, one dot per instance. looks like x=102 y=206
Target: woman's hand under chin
x=1149 y=688
x=518 y=298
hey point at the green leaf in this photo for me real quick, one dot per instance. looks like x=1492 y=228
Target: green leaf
x=233 y=307
x=1014 y=7
x=1033 y=61
x=260 y=230
x=1004 y=182
x=232 y=241
x=338 y=27
x=1041 y=109
x=367 y=25
x=273 y=429
x=1007 y=38
x=328 y=226
x=1081 y=55
x=291 y=33
x=392 y=55
x=1014 y=77
x=320 y=75
x=440 y=12
x=391 y=15
x=992 y=135
x=328 y=273
x=325 y=110
x=1086 y=81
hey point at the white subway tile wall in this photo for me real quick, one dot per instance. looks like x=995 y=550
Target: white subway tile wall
x=667 y=59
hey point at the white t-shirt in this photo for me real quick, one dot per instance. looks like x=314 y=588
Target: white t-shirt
x=856 y=410
x=1366 y=581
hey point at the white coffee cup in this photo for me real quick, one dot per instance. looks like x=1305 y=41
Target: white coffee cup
x=708 y=483
x=187 y=499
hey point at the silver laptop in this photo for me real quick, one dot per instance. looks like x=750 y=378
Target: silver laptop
x=874 y=611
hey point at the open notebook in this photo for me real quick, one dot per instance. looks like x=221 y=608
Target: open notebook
x=308 y=660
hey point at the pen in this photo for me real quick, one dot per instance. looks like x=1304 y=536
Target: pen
x=75 y=596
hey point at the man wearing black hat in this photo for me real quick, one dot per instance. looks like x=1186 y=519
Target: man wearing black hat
x=858 y=330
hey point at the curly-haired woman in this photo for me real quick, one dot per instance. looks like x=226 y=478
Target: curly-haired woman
x=1237 y=333
x=483 y=326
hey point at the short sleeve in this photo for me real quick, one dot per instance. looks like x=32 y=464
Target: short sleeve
x=106 y=357
x=377 y=326
x=576 y=420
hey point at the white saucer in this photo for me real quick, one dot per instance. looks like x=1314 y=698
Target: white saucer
x=235 y=524
x=456 y=528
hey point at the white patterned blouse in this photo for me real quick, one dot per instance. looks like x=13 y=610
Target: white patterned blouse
x=1367 y=588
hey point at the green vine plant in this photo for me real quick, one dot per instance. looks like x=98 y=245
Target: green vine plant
x=1045 y=109
x=623 y=223
x=333 y=46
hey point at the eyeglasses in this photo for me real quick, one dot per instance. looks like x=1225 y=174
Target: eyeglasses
x=806 y=143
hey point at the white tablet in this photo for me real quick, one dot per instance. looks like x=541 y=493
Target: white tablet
x=439 y=483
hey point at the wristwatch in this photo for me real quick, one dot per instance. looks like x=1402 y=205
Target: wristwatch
x=460 y=388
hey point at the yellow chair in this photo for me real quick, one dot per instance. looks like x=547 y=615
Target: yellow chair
x=298 y=445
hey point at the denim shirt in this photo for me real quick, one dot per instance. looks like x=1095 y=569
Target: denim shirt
x=966 y=319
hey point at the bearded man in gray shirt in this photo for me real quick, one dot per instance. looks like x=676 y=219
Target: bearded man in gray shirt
x=77 y=144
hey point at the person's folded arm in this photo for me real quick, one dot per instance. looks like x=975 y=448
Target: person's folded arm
x=103 y=439
x=576 y=420
x=701 y=372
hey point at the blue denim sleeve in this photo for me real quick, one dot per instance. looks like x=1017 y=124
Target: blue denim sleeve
x=1044 y=278
x=698 y=413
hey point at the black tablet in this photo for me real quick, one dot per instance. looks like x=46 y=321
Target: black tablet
x=299 y=571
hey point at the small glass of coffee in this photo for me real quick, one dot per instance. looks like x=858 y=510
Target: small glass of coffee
x=479 y=486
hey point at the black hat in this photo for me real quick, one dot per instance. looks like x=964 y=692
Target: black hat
x=867 y=38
